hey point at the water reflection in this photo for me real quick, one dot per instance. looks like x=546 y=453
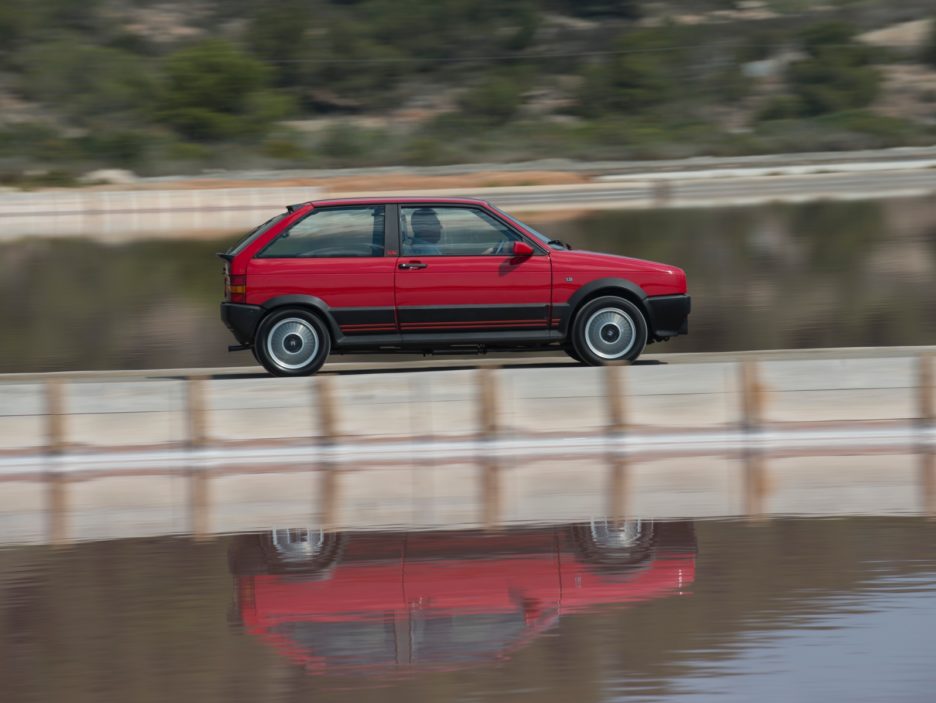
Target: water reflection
x=778 y=276
x=377 y=603
x=782 y=609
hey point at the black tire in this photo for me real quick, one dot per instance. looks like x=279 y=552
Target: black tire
x=570 y=350
x=292 y=342
x=609 y=329
x=617 y=545
x=254 y=554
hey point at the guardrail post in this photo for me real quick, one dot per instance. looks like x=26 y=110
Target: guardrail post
x=491 y=494
x=756 y=484
x=328 y=513
x=57 y=509
x=199 y=504
x=488 y=420
x=195 y=411
x=617 y=419
x=618 y=488
x=752 y=395
x=662 y=192
x=926 y=417
x=327 y=409
x=55 y=416
x=927 y=411
x=752 y=416
x=928 y=483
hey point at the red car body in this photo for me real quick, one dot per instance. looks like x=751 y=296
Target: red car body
x=393 y=601
x=522 y=293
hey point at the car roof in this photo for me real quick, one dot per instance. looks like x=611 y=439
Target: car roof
x=386 y=200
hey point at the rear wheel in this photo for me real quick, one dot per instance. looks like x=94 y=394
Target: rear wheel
x=292 y=342
x=609 y=329
x=615 y=543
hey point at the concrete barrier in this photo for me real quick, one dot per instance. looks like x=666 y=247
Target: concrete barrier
x=65 y=416
x=97 y=459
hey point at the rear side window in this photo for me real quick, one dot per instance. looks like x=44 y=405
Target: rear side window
x=332 y=233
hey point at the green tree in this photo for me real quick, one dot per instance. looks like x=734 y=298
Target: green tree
x=837 y=74
x=628 y=9
x=213 y=91
x=86 y=82
x=277 y=34
x=494 y=100
x=15 y=24
x=929 y=50
x=637 y=77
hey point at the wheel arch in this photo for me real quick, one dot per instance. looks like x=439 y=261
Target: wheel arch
x=316 y=306
x=619 y=287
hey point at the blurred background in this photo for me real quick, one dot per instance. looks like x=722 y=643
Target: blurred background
x=167 y=88
x=114 y=98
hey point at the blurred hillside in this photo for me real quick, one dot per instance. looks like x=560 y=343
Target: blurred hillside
x=178 y=87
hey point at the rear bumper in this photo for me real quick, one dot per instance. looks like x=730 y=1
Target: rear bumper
x=669 y=315
x=242 y=320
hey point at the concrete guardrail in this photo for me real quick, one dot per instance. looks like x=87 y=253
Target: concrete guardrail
x=84 y=459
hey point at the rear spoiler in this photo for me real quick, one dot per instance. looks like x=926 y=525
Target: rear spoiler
x=224 y=255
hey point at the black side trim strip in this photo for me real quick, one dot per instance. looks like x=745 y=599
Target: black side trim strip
x=447 y=340
x=364 y=316
x=473 y=313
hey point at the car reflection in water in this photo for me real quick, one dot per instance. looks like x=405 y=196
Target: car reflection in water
x=378 y=603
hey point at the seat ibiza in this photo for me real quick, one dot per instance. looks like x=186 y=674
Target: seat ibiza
x=431 y=275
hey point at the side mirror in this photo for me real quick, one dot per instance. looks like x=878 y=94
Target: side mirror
x=522 y=249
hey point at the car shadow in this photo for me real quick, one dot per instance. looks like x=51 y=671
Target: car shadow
x=454 y=366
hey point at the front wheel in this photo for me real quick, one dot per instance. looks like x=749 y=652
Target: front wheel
x=609 y=329
x=292 y=342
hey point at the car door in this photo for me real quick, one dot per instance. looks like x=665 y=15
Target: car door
x=338 y=255
x=457 y=273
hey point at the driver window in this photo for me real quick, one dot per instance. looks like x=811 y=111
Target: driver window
x=454 y=231
x=332 y=233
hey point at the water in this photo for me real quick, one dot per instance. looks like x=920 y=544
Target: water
x=787 y=609
x=782 y=276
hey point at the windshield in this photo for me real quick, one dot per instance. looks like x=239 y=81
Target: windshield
x=255 y=232
x=548 y=241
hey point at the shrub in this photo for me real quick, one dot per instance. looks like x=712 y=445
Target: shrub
x=495 y=100
x=212 y=91
x=837 y=74
x=929 y=49
x=84 y=81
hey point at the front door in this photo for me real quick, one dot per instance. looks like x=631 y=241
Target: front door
x=457 y=273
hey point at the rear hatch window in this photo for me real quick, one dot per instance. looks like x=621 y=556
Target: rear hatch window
x=251 y=235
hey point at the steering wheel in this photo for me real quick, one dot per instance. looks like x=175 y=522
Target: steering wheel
x=502 y=248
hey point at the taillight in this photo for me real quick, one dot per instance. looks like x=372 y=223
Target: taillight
x=235 y=288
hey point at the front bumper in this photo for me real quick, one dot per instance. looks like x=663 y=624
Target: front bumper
x=669 y=315
x=242 y=320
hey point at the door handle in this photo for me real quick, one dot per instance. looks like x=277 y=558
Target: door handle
x=413 y=265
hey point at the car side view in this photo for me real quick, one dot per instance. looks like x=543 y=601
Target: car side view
x=436 y=275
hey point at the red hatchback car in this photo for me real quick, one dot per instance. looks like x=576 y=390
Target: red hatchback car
x=431 y=274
